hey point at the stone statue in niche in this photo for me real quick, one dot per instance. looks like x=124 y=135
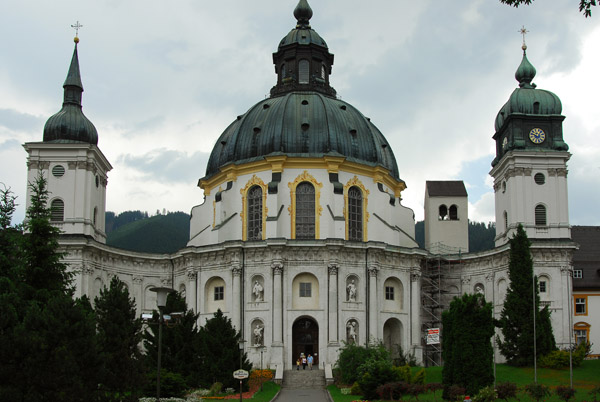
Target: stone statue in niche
x=258 y=292
x=351 y=291
x=479 y=288
x=258 y=335
x=351 y=329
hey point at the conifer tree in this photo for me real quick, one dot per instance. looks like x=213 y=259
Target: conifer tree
x=521 y=304
x=180 y=342
x=220 y=350
x=48 y=350
x=468 y=328
x=119 y=336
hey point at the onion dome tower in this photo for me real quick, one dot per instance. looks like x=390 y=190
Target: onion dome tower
x=73 y=165
x=70 y=124
x=302 y=128
x=530 y=167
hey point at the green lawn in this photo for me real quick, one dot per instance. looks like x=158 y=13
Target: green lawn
x=268 y=392
x=584 y=379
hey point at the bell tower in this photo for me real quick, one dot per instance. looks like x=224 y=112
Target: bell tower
x=530 y=167
x=73 y=165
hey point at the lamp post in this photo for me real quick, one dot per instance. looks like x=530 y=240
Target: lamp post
x=161 y=302
x=262 y=349
x=241 y=347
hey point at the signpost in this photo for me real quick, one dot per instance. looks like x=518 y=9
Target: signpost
x=240 y=375
x=433 y=336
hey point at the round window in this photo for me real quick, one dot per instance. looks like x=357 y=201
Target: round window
x=539 y=178
x=58 y=171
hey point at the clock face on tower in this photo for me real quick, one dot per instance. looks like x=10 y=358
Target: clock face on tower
x=537 y=135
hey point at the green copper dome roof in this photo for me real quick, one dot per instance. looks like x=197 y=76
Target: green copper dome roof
x=70 y=124
x=527 y=99
x=302 y=124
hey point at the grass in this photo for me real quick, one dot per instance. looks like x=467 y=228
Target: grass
x=585 y=378
x=269 y=391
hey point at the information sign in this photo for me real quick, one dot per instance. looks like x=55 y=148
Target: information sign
x=433 y=336
x=240 y=374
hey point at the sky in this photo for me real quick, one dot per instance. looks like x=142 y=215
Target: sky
x=163 y=80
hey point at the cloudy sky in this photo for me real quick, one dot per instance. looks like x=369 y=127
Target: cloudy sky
x=163 y=79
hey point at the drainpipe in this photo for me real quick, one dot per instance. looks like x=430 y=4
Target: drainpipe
x=367 y=297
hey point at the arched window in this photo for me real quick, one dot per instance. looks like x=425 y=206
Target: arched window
x=305 y=211
x=355 y=214
x=443 y=213
x=57 y=211
x=505 y=220
x=255 y=209
x=540 y=215
x=323 y=70
x=453 y=213
x=303 y=71
x=95 y=217
x=282 y=71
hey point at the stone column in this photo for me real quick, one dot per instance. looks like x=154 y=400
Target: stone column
x=373 y=307
x=190 y=294
x=277 y=267
x=333 y=304
x=415 y=311
x=236 y=312
x=138 y=292
x=86 y=273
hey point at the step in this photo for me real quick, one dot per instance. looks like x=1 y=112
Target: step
x=297 y=379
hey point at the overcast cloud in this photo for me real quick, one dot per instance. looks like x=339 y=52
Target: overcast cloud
x=164 y=79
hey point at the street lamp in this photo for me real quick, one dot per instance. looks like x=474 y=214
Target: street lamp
x=262 y=349
x=161 y=302
x=241 y=347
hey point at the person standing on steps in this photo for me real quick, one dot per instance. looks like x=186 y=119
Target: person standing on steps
x=298 y=364
x=310 y=361
x=304 y=362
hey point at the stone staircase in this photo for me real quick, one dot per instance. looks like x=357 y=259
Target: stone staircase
x=298 y=379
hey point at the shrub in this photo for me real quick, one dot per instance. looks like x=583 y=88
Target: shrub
x=216 y=388
x=418 y=377
x=565 y=393
x=506 y=390
x=355 y=390
x=352 y=356
x=374 y=373
x=415 y=390
x=486 y=394
x=392 y=390
x=454 y=393
x=171 y=384
x=537 y=391
x=345 y=391
x=403 y=373
x=558 y=359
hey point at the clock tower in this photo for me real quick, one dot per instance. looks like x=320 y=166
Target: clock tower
x=530 y=167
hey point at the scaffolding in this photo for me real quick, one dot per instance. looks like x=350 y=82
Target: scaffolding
x=440 y=283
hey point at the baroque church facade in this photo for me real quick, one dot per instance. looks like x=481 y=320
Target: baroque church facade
x=302 y=238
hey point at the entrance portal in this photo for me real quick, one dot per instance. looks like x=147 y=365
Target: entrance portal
x=305 y=339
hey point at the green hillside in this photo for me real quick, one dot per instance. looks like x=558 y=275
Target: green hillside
x=158 y=234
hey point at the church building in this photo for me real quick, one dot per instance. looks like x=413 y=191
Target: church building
x=302 y=238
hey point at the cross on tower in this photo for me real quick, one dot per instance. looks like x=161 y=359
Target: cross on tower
x=523 y=32
x=76 y=26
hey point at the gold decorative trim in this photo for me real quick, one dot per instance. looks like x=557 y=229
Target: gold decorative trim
x=355 y=182
x=281 y=162
x=305 y=176
x=254 y=181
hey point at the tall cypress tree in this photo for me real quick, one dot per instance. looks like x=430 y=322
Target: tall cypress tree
x=521 y=304
x=468 y=327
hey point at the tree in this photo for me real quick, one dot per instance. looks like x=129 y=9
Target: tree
x=220 y=351
x=521 y=303
x=468 y=327
x=181 y=343
x=585 y=6
x=119 y=336
x=47 y=338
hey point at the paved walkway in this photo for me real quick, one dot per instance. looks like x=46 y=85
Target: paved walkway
x=302 y=395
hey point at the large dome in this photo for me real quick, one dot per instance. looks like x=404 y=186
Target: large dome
x=302 y=118
x=302 y=124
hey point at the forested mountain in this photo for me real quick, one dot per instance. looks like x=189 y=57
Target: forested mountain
x=481 y=236
x=135 y=231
